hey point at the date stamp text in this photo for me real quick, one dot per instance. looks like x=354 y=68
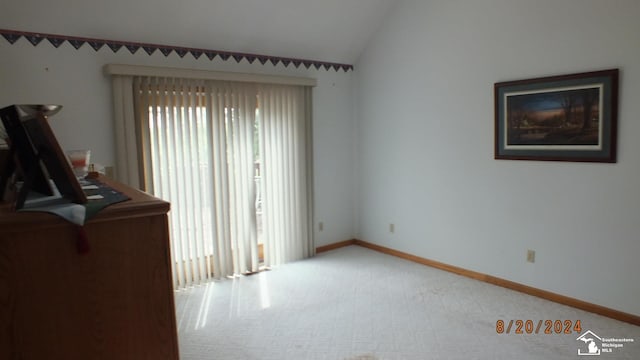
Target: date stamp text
x=547 y=327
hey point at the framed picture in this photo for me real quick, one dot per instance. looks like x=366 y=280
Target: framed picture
x=561 y=118
x=21 y=156
x=39 y=157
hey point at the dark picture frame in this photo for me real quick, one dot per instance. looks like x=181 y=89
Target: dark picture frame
x=38 y=157
x=558 y=118
x=21 y=157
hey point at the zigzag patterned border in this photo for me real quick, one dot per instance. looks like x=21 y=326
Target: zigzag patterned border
x=56 y=40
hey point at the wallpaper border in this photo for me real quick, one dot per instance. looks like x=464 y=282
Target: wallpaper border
x=12 y=36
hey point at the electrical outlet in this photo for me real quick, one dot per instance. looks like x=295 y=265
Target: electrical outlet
x=392 y=228
x=531 y=256
x=320 y=226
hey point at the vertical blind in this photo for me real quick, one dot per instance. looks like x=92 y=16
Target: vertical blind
x=284 y=138
x=203 y=145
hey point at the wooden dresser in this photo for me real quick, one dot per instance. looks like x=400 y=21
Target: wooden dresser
x=114 y=302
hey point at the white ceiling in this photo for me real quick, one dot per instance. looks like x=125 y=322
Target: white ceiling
x=323 y=30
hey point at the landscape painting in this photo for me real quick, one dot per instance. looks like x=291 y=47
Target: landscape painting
x=562 y=117
x=569 y=117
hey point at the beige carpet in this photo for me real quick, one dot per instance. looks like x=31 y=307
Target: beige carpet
x=357 y=304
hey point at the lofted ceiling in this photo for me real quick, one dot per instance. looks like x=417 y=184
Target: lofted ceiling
x=323 y=30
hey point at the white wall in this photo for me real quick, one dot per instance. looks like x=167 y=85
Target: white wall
x=425 y=124
x=75 y=79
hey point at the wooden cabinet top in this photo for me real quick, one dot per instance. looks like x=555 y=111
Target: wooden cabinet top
x=141 y=204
